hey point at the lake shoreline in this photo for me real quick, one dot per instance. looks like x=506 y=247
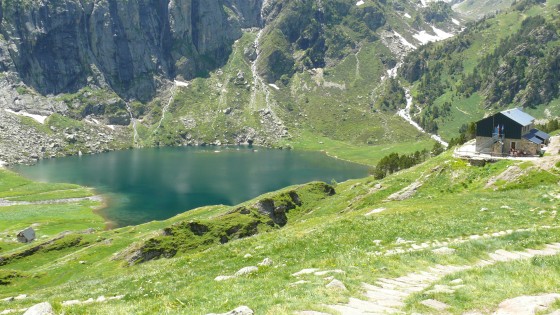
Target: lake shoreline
x=148 y=184
x=109 y=224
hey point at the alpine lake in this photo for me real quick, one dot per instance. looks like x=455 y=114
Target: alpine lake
x=142 y=185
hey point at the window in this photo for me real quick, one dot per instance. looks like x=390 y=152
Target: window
x=513 y=145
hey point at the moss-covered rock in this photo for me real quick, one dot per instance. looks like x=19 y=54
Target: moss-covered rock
x=267 y=213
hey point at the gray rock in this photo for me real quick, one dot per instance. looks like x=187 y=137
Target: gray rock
x=439 y=289
x=443 y=251
x=241 y=310
x=111 y=43
x=246 y=270
x=26 y=236
x=266 y=262
x=71 y=302
x=21 y=297
x=250 y=53
x=44 y=308
x=456 y=282
x=337 y=285
x=435 y=304
x=305 y=272
x=527 y=305
x=223 y=278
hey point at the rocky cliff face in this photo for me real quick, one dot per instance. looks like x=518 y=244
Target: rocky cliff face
x=61 y=46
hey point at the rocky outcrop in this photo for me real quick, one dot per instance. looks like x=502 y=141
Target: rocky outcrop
x=61 y=46
x=277 y=208
x=244 y=221
x=24 y=143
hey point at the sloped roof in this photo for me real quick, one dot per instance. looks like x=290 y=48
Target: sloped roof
x=519 y=116
x=536 y=136
x=541 y=134
x=533 y=138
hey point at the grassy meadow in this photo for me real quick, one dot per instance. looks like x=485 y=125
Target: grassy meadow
x=453 y=203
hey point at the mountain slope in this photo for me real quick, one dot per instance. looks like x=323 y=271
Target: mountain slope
x=361 y=231
x=171 y=73
x=500 y=62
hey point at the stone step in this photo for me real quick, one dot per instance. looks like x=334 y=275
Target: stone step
x=498 y=257
x=367 y=306
x=407 y=280
x=388 y=292
x=542 y=252
x=428 y=276
x=414 y=289
x=347 y=310
x=525 y=255
x=483 y=263
x=395 y=282
x=387 y=295
x=553 y=246
x=417 y=278
x=384 y=300
x=435 y=304
x=387 y=285
x=510 y=255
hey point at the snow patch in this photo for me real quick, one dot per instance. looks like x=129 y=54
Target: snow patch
x=360 y=2
x=274 y=86
x=40 y=119
x=392 y=73
x=181 y=83
x=406 y=15
x=404 y=41
x=424 y=38
x=455 y=22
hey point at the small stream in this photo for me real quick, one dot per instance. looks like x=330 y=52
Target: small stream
x=405 y=114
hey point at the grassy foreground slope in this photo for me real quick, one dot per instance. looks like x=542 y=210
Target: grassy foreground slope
x=367 y=230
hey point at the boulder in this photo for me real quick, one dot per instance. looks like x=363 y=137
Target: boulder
x=241 y=310
x=246 y=271
x=443 y=251
x=266 y=262
x=435 y=304
x=44 y=308
x=223 y=278
x=26 y=236
x=337 y=285
x=527 y=305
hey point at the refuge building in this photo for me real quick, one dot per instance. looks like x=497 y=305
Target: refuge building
x=511 y=132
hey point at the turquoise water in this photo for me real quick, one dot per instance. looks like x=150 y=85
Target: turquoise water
x=157 y=183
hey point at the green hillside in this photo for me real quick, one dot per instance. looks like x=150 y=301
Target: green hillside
x=359 y=231
x=510 y=60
